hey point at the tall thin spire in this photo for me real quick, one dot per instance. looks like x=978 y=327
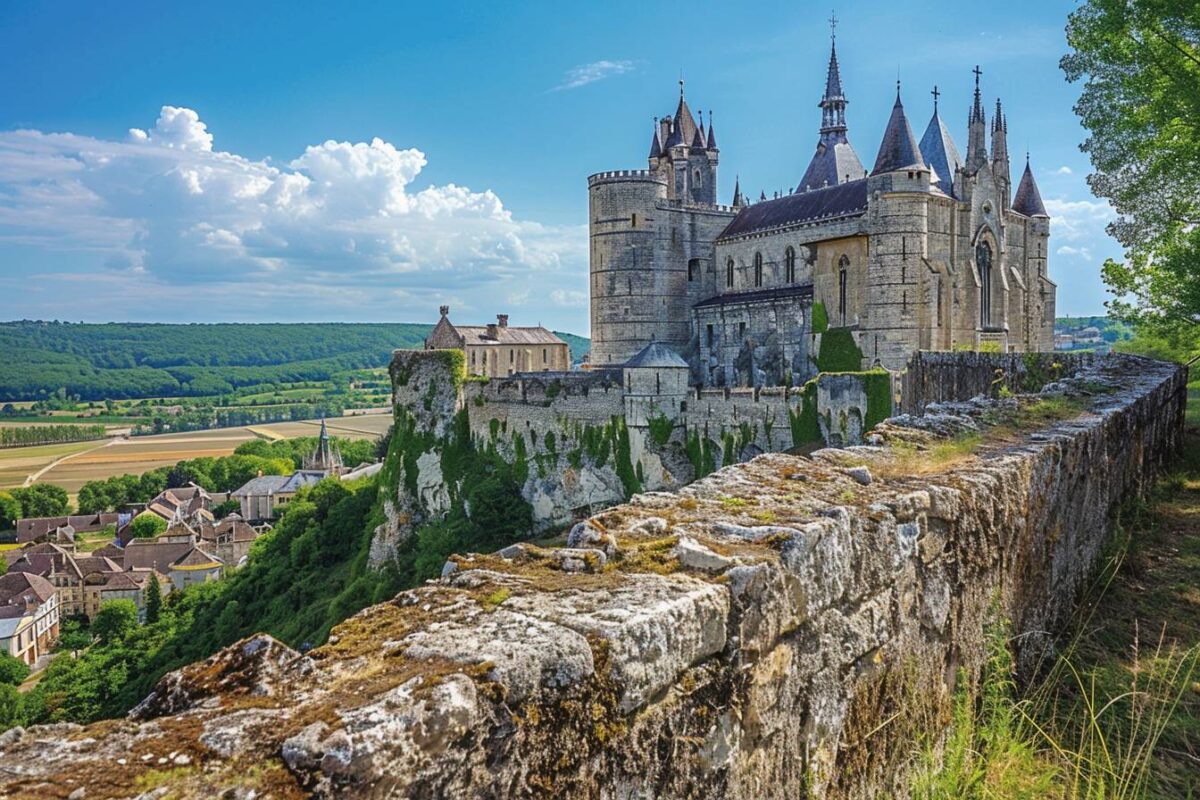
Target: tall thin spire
x=835 y=160
x=655 y=144
x=738 y=200
x=977 y=109
x=712 y=132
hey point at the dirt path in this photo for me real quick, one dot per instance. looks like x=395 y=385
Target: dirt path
x=32 y=478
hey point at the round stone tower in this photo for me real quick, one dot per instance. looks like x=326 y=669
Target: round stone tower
x=634 y=295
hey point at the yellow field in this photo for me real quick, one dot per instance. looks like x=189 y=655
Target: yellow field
x=89 y=461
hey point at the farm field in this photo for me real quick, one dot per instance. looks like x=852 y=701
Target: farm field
x=89 y=461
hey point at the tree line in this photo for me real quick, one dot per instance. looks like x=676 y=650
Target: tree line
x=26 y=435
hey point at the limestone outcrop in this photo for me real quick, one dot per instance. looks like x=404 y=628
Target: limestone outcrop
x=782 y=628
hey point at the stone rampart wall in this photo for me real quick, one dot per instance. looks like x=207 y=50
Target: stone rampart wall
x=783 y=628
x=939 y=377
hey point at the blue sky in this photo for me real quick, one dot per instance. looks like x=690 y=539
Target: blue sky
x=371 y=161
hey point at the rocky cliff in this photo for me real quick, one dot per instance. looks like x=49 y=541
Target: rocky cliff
x=782 y=628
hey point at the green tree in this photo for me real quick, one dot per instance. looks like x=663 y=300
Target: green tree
x=10 y=511
x=147 y=525
x=1139 y=61
x=12 y=670
x=42 y=500
x=11 y=707
x=115 y=621
x=153 y=600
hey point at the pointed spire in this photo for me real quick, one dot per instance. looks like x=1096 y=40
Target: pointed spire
x=712 y=133
x=835 y=160
x=738 y=200
x=684 y=128
x=977 y=109
x=939 y=151
x=762 y=195
x=698 y=138
x=899 y=148
x=1029 y=200
x=655 y=145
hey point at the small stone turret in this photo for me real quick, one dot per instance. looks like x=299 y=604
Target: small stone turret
x=977 y=154
x=1000 y=167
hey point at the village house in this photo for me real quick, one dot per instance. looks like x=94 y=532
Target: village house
x=85 y=582
x=28 y=616
x=264 y=497
x=179 y=559
x=35 y=529
x=497 y=350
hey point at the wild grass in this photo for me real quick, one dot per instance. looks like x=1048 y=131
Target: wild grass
x=1115 y=712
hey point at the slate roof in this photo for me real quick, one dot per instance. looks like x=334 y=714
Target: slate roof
x=478 y=334
x=655 y=147
x=36 y=527
x=655 y=354
x=833 y=202
x=1029 y=200
x=196 y=559
x=263 y=484
x=938 y=150
x=834 y=162
x=712 y=134
x=684 y=128
x=758 y=296
x=151 y=554
x=899 y=148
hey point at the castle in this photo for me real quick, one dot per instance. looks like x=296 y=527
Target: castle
x=925 y=251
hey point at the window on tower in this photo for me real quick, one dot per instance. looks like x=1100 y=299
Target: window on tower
x=758 y=269
x=729 y=273
x=693 y=269
x=789 y=259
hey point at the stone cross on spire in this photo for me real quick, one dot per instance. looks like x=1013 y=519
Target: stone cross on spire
x=936 y=94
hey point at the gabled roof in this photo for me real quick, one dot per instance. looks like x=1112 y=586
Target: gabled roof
x=655 y=355
x=938 y=150
x=196 y=559
x=262 y=485
x=16 y=588
x=833 y=202
x=899 y=148
x=152 y=554
x=1029 y=200
x=478 y=334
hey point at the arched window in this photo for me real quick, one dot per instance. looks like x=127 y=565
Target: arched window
x=983 y=260
x=699 y=180
x=789 y=258
x=758 y=269
x=729 y=273
x=843 y=280
x=693 y=269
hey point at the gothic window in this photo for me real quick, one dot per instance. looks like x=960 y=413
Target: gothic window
x=699 y=182
x=729 y=273
x=709 y=336
x=758 y=269
x=693 y=269
x=789 y=259
x=983 y=260
x=545 y=357
x=843 y=278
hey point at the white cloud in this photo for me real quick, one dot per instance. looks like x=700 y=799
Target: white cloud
x=1082 y=252
x=569 y=298
x=1063 y=170
x=595 y=71
x=342 y=223
x=1078 y=220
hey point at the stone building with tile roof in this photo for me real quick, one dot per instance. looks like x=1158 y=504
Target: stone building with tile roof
x=498 y=349
x=925 y=250
x=29 y=616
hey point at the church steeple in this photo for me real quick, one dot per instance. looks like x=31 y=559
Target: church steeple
x=835 y=160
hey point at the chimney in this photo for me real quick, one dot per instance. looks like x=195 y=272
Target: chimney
x=493 y=330
x=502 y=320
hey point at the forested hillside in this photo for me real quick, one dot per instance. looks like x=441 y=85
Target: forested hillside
x=133 y=360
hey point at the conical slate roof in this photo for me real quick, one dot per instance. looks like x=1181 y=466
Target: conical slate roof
x=712 y=133
x=833 y=79
x=684 y=129
x=899 y=148
x=1029 y=200
x=655 y=146
x=698 y=139
x=939 y=152
x=656 y=355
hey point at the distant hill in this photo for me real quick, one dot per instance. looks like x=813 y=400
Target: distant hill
x=1111 y=330
x=136 y=360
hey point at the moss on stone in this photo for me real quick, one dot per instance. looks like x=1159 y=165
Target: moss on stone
x=839 y=352
x=820 y=318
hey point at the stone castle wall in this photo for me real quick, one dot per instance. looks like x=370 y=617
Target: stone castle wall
x=782 y=628
x=948 y=377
